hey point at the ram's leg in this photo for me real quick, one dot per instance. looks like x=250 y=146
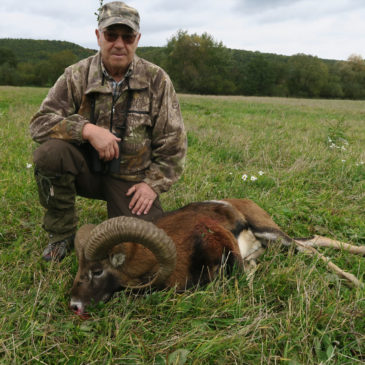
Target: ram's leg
x=309 y=249
x=320 y=241
x=249 y=262
x=250 y=265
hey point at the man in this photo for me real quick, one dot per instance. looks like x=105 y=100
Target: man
x=110 y=129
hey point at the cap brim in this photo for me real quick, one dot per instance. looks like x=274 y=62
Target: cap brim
x=117 y=20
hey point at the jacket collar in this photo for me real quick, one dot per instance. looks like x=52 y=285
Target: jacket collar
x=96 y=78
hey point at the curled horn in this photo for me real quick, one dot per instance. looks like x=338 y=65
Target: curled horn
x=81 y=238
x=127 y=229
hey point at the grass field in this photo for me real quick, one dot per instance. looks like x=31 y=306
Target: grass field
x=301 y=160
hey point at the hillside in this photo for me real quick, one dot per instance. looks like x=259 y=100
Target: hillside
x=199 y=65
x=33 y=51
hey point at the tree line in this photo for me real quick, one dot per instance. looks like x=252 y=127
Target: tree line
x=28 y=62
x=199 y=64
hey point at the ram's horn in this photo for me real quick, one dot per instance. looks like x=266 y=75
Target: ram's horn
x=128 y=229
x=81 y=238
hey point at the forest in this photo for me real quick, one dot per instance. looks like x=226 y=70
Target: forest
x=198 y=64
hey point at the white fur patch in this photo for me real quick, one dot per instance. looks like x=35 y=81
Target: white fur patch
x=247 y=243
x=218 y=202
x=76 y=305
x=267 y=236
x=270 y=236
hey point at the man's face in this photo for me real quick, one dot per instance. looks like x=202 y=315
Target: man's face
x=118 y=44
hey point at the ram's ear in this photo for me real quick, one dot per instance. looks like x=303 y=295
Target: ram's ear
x=116 y=259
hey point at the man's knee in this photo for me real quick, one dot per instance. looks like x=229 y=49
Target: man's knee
x=59 y=156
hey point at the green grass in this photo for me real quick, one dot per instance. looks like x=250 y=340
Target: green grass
x=294 y=312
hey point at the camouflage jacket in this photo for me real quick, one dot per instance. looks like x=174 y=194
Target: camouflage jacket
x=154 y=144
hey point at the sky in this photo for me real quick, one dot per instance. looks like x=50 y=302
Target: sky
x=330 y=29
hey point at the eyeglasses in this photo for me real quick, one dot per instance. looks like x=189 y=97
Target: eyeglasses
x=112 y=36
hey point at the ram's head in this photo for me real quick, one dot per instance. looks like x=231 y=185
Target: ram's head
x=102 y=252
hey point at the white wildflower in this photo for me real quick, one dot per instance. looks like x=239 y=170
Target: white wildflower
x=343 y=148
x=244 y=177
x=261 y=173
x=343 y=160
x=333 y=145
x=253 y=178
x=29 y=166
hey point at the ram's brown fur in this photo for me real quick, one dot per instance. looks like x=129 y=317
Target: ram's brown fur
x=202 y=233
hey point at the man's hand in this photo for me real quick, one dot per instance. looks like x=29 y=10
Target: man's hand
x=105 y=142
x=143 y=198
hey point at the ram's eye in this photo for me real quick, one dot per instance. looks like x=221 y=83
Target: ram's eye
x=97 y=272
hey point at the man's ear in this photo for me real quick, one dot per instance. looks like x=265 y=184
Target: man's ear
x=138 y=38
x=97 y=33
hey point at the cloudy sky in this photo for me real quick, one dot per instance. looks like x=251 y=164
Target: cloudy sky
x=332 y=29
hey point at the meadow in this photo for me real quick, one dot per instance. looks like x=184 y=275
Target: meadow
x=301 y=160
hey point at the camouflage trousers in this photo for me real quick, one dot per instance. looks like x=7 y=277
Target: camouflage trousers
x=62 y=171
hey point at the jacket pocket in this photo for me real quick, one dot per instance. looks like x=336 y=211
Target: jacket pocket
x=136 y=145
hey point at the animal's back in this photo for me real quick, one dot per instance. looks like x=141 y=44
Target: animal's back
x=203 y=233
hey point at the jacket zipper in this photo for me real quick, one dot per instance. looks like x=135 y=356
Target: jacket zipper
x=112 y=115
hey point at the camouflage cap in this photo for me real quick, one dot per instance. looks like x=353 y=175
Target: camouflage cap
x=117 y=12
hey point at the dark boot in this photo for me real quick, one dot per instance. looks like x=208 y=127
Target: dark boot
x=57 y=251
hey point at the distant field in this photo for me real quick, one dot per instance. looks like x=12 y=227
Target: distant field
x=301 y=160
